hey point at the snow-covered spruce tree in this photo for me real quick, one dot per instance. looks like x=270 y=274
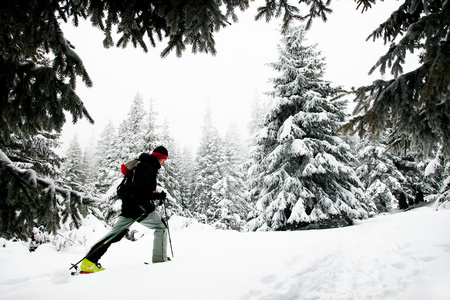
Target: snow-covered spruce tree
x=377 y=171
x=72 y=168
x=30 y=190
x=37 y=154
x=132 y=131
x=32 y=202
x=414 y=177
x=108 y=163
x=252 y=166
x=23 y=205
x=437 y=171
x=74 y=176
x=208 y=170
x=107 y=172
x=230 y=197
x=186 y=172
x=443 y=199
x=305 y=175
x=151 y=139
x=260 y=106
x=89 y=167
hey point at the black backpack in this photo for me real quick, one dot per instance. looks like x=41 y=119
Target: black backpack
x=125 y=188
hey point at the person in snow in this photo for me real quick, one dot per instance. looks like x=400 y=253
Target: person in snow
x=140 y=205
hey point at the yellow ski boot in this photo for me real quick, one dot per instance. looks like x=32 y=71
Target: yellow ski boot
x=89 y=267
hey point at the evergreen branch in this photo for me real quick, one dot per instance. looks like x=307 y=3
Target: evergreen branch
x=176 y=41
x=399 y=103
x=398 y=22
x=19 y=215
x=276 y=8
x=366 y=4
x=34 y=94
x=414 y=104
x=397 y=52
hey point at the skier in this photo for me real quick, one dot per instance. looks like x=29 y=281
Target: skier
x=141 y=205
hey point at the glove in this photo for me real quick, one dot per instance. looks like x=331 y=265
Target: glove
x=162 y=196
x=159 y=196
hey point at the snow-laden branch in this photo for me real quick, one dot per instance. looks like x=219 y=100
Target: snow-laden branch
x=31 y=177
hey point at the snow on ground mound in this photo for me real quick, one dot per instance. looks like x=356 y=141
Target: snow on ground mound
x=393 y=256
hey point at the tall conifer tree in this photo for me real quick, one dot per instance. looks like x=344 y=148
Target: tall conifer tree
x=380 y=177
x=89 y=167
x=108 y=163
x=72 y=168
x=437 y=173
x=132 y=131
x=444 y=190
x=187 y=171
x=208 y=168
x=152 y=139
x=305 y=175
x=229 y=197
x=259 y=109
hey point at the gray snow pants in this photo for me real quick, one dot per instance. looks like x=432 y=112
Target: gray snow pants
x=152 y=221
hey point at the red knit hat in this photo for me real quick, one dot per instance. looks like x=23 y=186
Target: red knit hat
x=160 y=152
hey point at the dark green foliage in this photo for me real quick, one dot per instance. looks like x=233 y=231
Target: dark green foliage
x=19 y=217
x=34 y=90
x=28 y=201
x=180 y=22
x=274 y=8
x=402 y=204
x=415 y=103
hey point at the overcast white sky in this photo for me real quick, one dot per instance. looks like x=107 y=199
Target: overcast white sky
x=229 y=81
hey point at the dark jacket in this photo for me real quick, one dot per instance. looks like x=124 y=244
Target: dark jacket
x=143 y=188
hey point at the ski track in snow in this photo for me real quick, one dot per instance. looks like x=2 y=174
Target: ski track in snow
x=393 y=256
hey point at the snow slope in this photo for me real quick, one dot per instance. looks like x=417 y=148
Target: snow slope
x=394 y=256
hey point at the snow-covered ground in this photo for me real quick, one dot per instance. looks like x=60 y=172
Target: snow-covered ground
x=401 y=255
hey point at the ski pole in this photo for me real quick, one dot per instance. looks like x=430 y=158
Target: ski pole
x=107 y=241
x=168 y=230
